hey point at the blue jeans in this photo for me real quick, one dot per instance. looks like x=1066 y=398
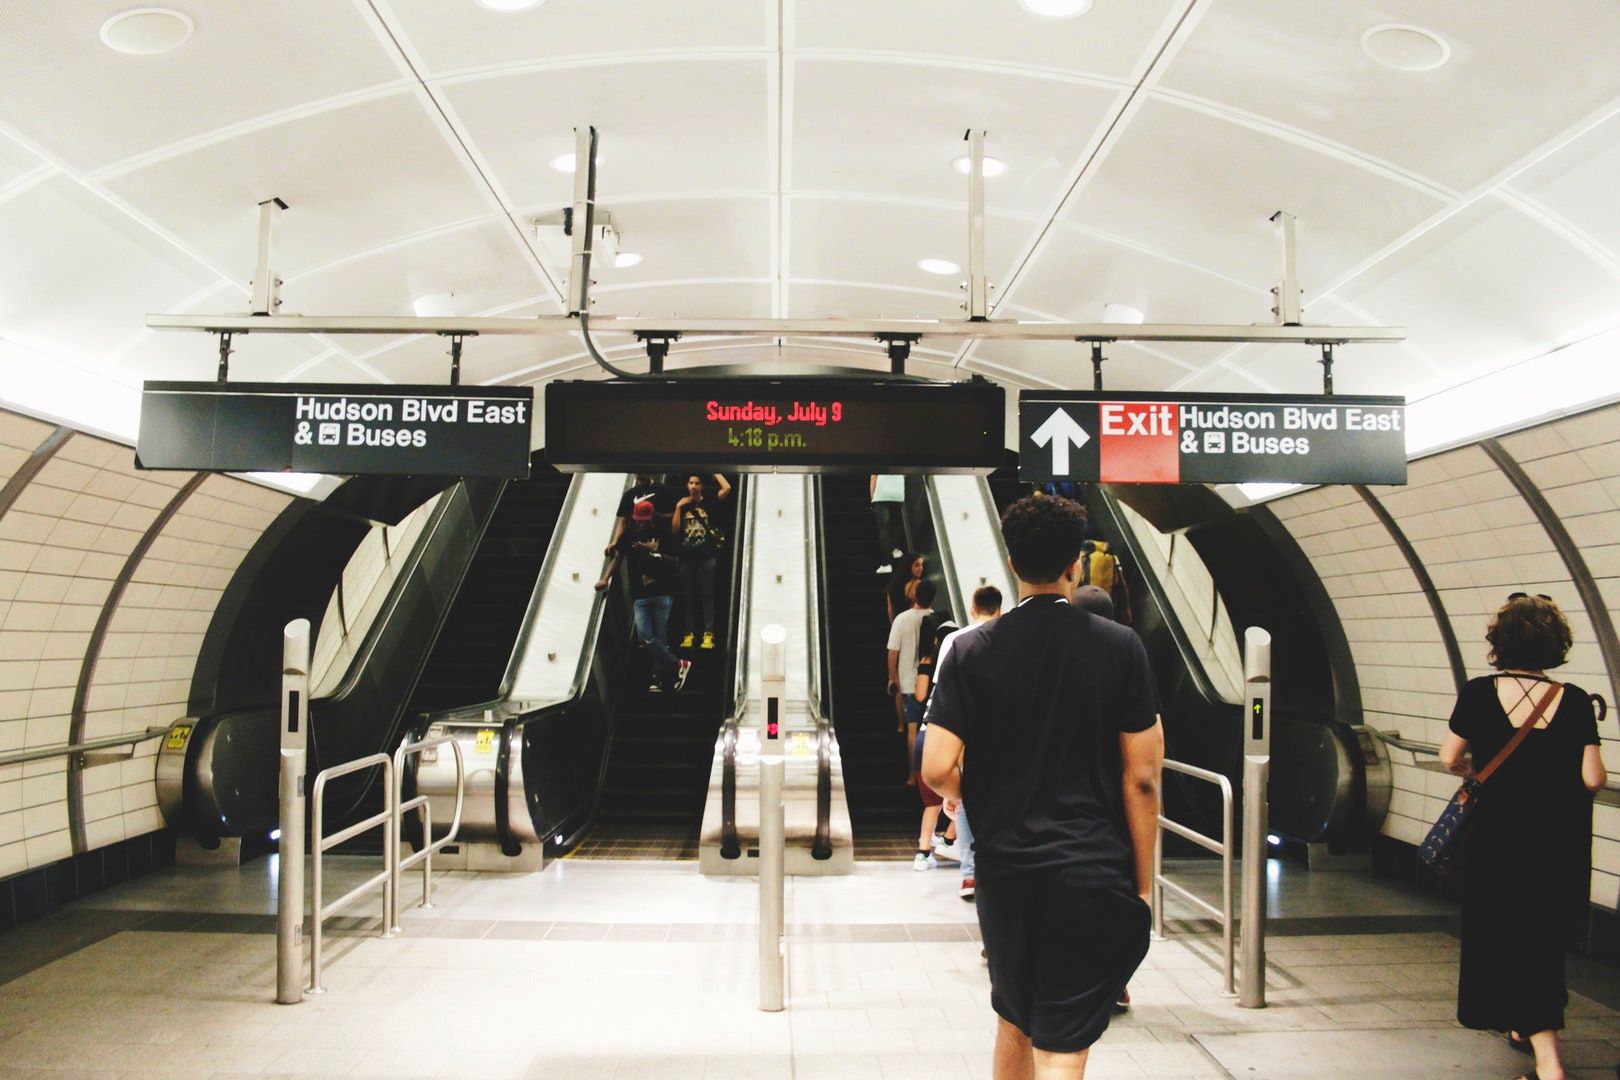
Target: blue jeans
x=652 y=623
x=964 y=840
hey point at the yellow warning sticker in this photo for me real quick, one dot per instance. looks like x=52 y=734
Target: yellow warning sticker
x=801 y=744
x=484 y=742
x=179 y=736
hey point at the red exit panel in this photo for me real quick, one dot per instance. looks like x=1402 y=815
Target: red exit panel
x=1139 y=442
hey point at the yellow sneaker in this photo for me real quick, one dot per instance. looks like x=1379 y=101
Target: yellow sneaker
x=686 y=642
x=708 y=640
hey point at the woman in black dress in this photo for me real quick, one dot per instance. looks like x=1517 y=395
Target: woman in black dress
x=1529 y=854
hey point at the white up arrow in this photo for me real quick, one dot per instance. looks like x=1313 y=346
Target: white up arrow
x=1060 y=430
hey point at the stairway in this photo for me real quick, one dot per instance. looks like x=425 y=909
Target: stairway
x=884 y=812
x=481 y=629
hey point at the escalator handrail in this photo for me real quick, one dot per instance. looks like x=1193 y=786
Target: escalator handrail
x=821 y=708
x=742 y=565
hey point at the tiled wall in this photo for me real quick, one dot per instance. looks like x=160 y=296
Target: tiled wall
x=64 y=543
x=1479 y=540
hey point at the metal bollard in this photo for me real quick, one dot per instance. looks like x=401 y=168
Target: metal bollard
x=771 y=882
x=294 y=761
x=1256 y=771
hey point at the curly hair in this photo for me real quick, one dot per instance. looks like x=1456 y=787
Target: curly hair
x=1043 y=536
x=1529 y=633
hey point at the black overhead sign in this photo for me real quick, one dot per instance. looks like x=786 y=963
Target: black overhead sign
x=327 y=428
x=1121 y=438
x=785 y=424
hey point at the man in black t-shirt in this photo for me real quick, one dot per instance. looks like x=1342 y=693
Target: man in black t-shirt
x=1045 y=722
x=643 y=488
x=654 y=577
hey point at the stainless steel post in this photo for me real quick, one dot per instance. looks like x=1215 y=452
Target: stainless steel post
x=1256 y=770
x=978 y=299
x=771 y=882
x=294 y=759
x=1158 y=886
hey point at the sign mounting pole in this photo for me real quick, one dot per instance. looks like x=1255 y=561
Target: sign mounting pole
x=1290 y=310
x=978 y=302
x=266 y=286
x=584 y=220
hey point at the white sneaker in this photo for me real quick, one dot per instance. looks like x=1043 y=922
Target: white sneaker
x=896 y=554
x=945 y=849
x=923 y=862
x=886 y=568
x=683 y=668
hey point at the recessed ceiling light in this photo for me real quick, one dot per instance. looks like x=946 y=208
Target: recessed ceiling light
x=1057 y=9
x=511 y=5
x=1405 y=48
x=938 y=266
x=992 y=166
x=145 y=31
x=565 y=163
x=1121 y=313
x=439 y=305
x=625 y=259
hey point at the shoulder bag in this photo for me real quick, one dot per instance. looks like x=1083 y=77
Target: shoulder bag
x=1444 y=850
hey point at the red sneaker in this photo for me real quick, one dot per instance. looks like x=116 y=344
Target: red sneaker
x=966 y=892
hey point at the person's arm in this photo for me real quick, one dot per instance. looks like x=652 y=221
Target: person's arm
x=1454 y=754
x=894 y=672
x=613 y=544
x=942 y=763
x=675 y=518
x=1593 y=774
x=607 y=574
x=722 y=487
x=871 y=487
x=1142 y=756
x=919 y=689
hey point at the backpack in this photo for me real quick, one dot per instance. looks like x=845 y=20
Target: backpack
x=1097 y=566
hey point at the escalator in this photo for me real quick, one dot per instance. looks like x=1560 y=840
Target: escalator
x=883 y=811
x=473 y=647
x=662 y=750
x=485 y=539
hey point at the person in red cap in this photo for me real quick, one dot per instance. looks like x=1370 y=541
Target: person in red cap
x=654 y=577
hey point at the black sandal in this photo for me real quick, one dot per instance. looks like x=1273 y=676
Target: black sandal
x=1521 y=1045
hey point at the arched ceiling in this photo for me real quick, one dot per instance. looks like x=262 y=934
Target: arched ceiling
x=793 y=158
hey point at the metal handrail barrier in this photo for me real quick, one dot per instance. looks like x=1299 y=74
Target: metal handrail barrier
x=1223 y=848
x=41 y=753
x=420 y=802
x=742 y=568
x=320 y=843
x=815 y=568
x=1393 y=738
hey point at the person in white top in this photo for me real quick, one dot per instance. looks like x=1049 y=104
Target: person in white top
x=904 y=635
x=888 y=493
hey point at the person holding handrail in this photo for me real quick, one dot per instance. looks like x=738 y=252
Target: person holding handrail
x=1046 y=723
x=1530 y=841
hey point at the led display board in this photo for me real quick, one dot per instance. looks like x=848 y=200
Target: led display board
x=353 y=430
x=785 y=424
x=1126 y=438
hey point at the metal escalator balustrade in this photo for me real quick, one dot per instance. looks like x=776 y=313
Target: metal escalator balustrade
x=881 y=806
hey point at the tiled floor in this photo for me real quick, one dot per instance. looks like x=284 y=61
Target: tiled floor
x=603 y=969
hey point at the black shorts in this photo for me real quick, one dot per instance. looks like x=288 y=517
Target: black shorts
x=1061 y=949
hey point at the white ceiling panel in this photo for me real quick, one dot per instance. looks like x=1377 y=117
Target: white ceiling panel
x=15 y=160
x=687 y=239
x=894 y=129
x=1579 y=183
x=1487 y=288
x=481 y=266
x=1518 y=74
x=1068 y=364
x=461 y=35
x=1108 y=41
x=664 y=126
x=64 y=89
x=1076 y=273
x=353 y=178
x=254 y=357
x=1204 y=191
x=697 y=298
x=880 y=241
x=79 y=277
x=817 y=300
x=1357 y=369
